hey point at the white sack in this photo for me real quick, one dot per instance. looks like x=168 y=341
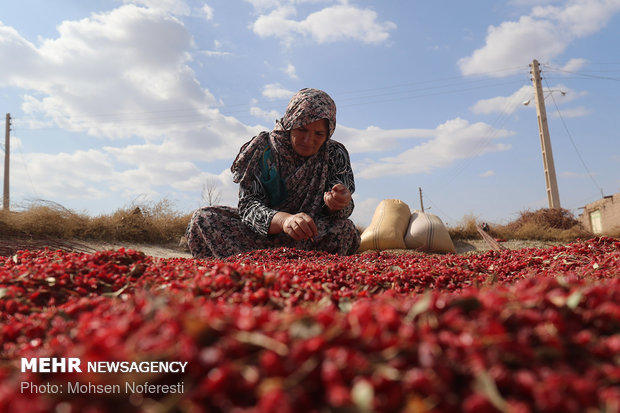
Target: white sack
x=426 y=232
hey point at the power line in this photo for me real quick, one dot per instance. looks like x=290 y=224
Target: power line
x=439 y=209
x=570 y=137
x=583 y=74
x=443 y=82
x=430 y=81
x=497 y=126
x=369 y=96
x=415 y=95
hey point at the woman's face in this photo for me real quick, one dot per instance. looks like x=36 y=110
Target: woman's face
x=307 y=140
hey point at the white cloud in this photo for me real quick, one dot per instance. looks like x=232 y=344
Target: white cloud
x=145 y=89
x=290 y=71
x=374 y=139
x=217 y=52
x=207 y=11
x=453 y=140
x=331 y=24
x=139 y=60
x=95 y=168
x=487 y=174
x=503 y=104
x=176 y=7
x=19 y=60
x=525 y=97
x=347 y=22
x=116 y=75
x=276 y=91
x=514 y=44
x=574 y=65
x=267 y=115
x=543 y=34
x=262 y=5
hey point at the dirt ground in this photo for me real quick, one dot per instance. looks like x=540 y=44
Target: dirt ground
x=466 y=246
x=158 y=251
x=175 y=251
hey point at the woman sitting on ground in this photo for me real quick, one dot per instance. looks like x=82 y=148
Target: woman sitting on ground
x=295 y=187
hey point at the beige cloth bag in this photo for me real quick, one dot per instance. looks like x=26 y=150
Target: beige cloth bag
x=426 y=232
x=387 y=227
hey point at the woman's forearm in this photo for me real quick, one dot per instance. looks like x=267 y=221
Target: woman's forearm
x=277 y=222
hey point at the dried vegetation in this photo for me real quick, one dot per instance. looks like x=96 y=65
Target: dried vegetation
x=543 y=224
x=50 y=224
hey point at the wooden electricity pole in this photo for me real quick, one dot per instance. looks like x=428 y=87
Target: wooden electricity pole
x=553 y=194
x=7 y=151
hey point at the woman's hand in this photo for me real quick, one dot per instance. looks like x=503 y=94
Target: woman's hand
x=337 y=198
x=299 y=226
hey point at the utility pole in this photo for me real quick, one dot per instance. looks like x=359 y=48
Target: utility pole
x=553 y=194
x=421 y=202
x=7 y=151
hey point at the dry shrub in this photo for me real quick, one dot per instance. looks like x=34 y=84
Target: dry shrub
x=544 y=224
x=149 y=223
x=42 y=226
x=46 y=218
x=465 y=229
x=555 y=224
x=558 y=218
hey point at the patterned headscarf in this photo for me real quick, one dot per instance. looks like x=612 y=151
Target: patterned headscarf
x=305 y=177
x=307 y=106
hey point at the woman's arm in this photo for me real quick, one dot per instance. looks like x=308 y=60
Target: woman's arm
x=254 y=212
x=340 y=182
x=253 y=208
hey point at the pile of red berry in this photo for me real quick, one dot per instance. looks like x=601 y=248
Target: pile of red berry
x=532 y=330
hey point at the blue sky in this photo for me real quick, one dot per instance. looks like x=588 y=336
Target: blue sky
x=122 y=102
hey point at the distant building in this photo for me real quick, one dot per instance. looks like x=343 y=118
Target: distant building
x=602 y=216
